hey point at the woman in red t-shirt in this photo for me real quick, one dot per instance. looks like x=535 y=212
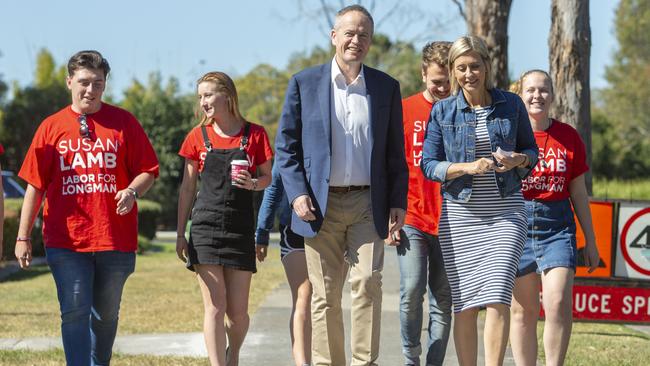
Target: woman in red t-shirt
x=225 y=150
x=556 y=184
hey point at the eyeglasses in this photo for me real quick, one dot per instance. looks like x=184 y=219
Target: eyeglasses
x=84 y=131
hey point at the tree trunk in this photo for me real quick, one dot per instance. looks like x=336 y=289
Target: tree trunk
x=569 y=52
x=488 y=19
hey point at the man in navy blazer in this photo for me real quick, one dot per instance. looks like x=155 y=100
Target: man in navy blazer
x=340 y=151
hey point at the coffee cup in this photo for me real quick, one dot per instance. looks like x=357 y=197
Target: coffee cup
x=236 y=167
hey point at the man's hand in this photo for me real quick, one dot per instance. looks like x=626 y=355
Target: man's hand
x=125 y=200
x=395 y=223
x=23 y=252
x=304 y=208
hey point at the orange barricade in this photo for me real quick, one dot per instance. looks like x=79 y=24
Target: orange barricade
x=602 y=214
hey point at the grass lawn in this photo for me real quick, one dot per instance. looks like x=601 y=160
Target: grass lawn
x=161 y=296
x=55 y=357
x=594 y=344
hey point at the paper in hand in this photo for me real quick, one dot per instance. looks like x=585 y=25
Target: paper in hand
x=504 y=152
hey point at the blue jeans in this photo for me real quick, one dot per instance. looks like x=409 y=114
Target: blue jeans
x=420 y=263
x=89 y=287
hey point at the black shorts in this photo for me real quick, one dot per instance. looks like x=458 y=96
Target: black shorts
x=290 y=241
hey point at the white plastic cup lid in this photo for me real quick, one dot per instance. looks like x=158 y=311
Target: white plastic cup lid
x=239 y=162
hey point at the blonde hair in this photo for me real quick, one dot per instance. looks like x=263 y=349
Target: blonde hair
x=224 y=85
x=463 y=46
x=516 y=87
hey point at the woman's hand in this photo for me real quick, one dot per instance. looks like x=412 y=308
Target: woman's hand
x=508 y=162
x=481 y=166
x=245 y=180
x=23 y=253
x=592 y=257
x=260 y=252
x=181 y=248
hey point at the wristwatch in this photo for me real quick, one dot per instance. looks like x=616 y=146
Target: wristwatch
x=134 y=192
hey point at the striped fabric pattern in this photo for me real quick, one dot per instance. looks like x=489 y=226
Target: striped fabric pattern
x=483 y=239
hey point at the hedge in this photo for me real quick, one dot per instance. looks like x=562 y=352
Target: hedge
x=148 y=212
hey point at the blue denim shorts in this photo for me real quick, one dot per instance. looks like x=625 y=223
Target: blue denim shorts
x=551 y=240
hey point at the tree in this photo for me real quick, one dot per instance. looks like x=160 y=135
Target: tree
x=625 y=100
x=166 y=117
x=261 y=96
x=570 y=46
x=30 y=105
x=405 y=15
x=488 y=19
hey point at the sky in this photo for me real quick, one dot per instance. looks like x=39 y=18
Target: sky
x=188 y=38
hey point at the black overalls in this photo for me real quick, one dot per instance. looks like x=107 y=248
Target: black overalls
x=222 y=230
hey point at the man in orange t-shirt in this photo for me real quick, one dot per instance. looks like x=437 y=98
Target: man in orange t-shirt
x=91 y=161
x=419 y=255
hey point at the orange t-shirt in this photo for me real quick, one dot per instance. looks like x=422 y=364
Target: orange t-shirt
x=81 y=177
x=424 y=198
x=258 y=149
x=562 y=157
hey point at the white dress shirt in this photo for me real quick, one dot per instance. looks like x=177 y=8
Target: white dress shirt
x=351 y=133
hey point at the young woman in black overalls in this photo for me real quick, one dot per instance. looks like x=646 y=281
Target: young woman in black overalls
x=221 y=248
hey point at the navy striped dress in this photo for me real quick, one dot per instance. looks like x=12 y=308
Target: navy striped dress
x=482 y=239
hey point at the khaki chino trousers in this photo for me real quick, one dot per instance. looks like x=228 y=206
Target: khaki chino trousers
x=347 y=238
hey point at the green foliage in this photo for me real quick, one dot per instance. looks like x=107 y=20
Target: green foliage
x=144 y=244
x=261 y=96
x=166 y=117
x=638 y=189
x=10 y=232
x=625 y=100
x=47 y=74
x=29 y=106
x=3 y=92
x=400 y=60
x=303 y=60
x=148 y=213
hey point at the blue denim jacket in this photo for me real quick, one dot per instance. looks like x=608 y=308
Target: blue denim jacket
x=451 y=138
x=274 y=201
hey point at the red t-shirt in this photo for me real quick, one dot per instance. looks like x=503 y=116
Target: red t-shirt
x=424 y=198
x=258 y=148
x=81 y=177
x=562 y=158
x=2 y=149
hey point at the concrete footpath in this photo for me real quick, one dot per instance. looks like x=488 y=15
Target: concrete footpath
x=268 y=342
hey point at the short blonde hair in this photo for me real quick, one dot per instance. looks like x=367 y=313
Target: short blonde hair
x=462 y=46
x=224 y=85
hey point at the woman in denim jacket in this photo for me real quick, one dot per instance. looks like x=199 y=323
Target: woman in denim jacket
x=479 y=145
